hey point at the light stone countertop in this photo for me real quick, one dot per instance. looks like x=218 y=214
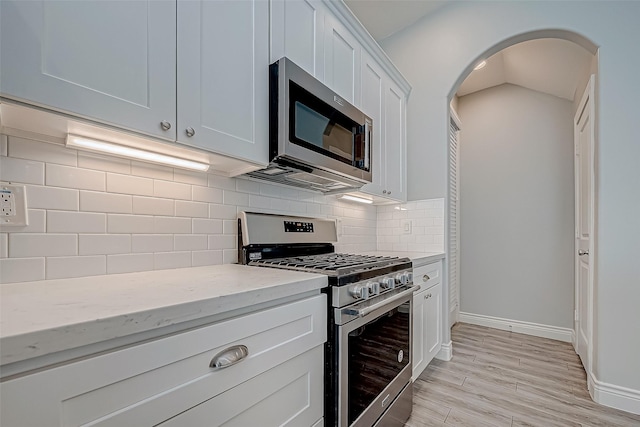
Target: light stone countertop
x=44 y=317
x=417 y=258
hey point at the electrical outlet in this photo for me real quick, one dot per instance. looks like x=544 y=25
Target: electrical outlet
x=339 y=226
x=406 y=226
x=13 y=205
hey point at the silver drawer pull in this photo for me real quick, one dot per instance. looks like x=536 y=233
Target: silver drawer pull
x=229 y=357
x=425 y=278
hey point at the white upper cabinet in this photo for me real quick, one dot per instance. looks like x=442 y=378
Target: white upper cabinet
x=372 y=105
x=223 y=87
x=297 y=29
x=395 y=143
x=108 y=61
x=341 y=60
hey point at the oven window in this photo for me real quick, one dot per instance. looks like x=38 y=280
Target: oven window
x=378 y=351
x=319 y=127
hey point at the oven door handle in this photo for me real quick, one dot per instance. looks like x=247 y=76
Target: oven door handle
x=363 y=312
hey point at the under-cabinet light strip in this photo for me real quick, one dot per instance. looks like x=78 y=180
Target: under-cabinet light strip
x=80 y=142
x=355 y=199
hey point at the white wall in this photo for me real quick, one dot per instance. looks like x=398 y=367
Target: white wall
x=91 y=215
x=516 y=206
x=436 y=53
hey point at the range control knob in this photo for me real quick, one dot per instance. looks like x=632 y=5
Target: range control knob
x=360 y=292
x=388 y=283
x=410 y=276
x=403 y=278
x=374 y=288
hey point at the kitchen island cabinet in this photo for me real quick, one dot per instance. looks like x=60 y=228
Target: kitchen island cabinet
x=178 y=369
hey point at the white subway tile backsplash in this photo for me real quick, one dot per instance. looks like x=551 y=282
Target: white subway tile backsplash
x=222 y=182
x=92 y=201
x=129 y=263
x=190 y=242
x=230 y=226
x=38 y=245
x=151 y=243
x=190 y=177
x=247 y=186
x=151 y=170
x=235 y=198
x=94 y=214
x=104 y=244
x=37 y=223
x=166 y=260
x=103 y=163
x=76 y=266
x=153 y=206
x=129 y=224
x=126 y=184
x=4 y=245
x=207 y=226
x=170 y=225
x=192 y=209
x=21 y=171
x=29 y=149
x=206 y=194
x=199 y=258
x=229 y=256
x=52 y=198
x=76 y=222
x=222 y=211
x=222 y=241
x=70 y=177
x=171 y=190
x=21 y=270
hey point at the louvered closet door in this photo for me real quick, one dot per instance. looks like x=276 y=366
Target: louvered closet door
x=454 y=224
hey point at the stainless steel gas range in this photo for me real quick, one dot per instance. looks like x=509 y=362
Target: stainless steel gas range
x=368 y=352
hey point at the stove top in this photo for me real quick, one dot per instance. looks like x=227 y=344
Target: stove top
x=331 y=264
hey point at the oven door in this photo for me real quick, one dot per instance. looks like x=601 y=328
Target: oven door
x=374 y=360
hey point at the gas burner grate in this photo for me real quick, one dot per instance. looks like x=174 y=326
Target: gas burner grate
x=326 y=263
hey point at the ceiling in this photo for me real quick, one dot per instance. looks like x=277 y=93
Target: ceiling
x=550 y=66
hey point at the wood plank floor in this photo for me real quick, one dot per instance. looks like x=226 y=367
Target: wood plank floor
x=499 y=378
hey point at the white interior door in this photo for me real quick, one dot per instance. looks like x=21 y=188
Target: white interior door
x=453 y=249
x=584 y=188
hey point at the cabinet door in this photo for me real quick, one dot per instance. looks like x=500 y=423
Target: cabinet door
x=113 y=62
x=419 y=323
x=395 y=142
x=290 y=394
x=297 y=29
x=223 y=87
x=433 y=328
x=341 y=60
x=372 y=94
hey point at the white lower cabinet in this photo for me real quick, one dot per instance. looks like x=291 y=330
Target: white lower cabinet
x=169 y=381
x=427 y=316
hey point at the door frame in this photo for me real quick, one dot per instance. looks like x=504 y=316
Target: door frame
x=587 y=101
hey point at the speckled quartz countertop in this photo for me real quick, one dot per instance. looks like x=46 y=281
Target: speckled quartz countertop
x=39 y=318
x=418 y=258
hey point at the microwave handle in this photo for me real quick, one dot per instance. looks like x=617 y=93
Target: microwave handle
x=367 y=143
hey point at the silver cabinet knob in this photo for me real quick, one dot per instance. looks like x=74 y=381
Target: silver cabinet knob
x=425 y=278
x=190 y=132
x=165 y=125
x=384 y=191
x=389 y=192
x=581 y=252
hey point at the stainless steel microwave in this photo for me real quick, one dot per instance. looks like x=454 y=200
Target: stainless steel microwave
x=317 y=139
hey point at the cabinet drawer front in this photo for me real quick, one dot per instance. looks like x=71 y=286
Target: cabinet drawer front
x=428 y=275
x=290 y=394
x=151 y=382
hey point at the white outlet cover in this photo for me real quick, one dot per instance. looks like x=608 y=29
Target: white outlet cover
x=406 y=227
x=13 y=205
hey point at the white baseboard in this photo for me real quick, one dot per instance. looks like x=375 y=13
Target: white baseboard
x=446 y=352
x=625 y=399
x=528 y=328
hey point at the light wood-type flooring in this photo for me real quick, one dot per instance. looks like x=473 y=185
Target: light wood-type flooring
x=500 y=378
